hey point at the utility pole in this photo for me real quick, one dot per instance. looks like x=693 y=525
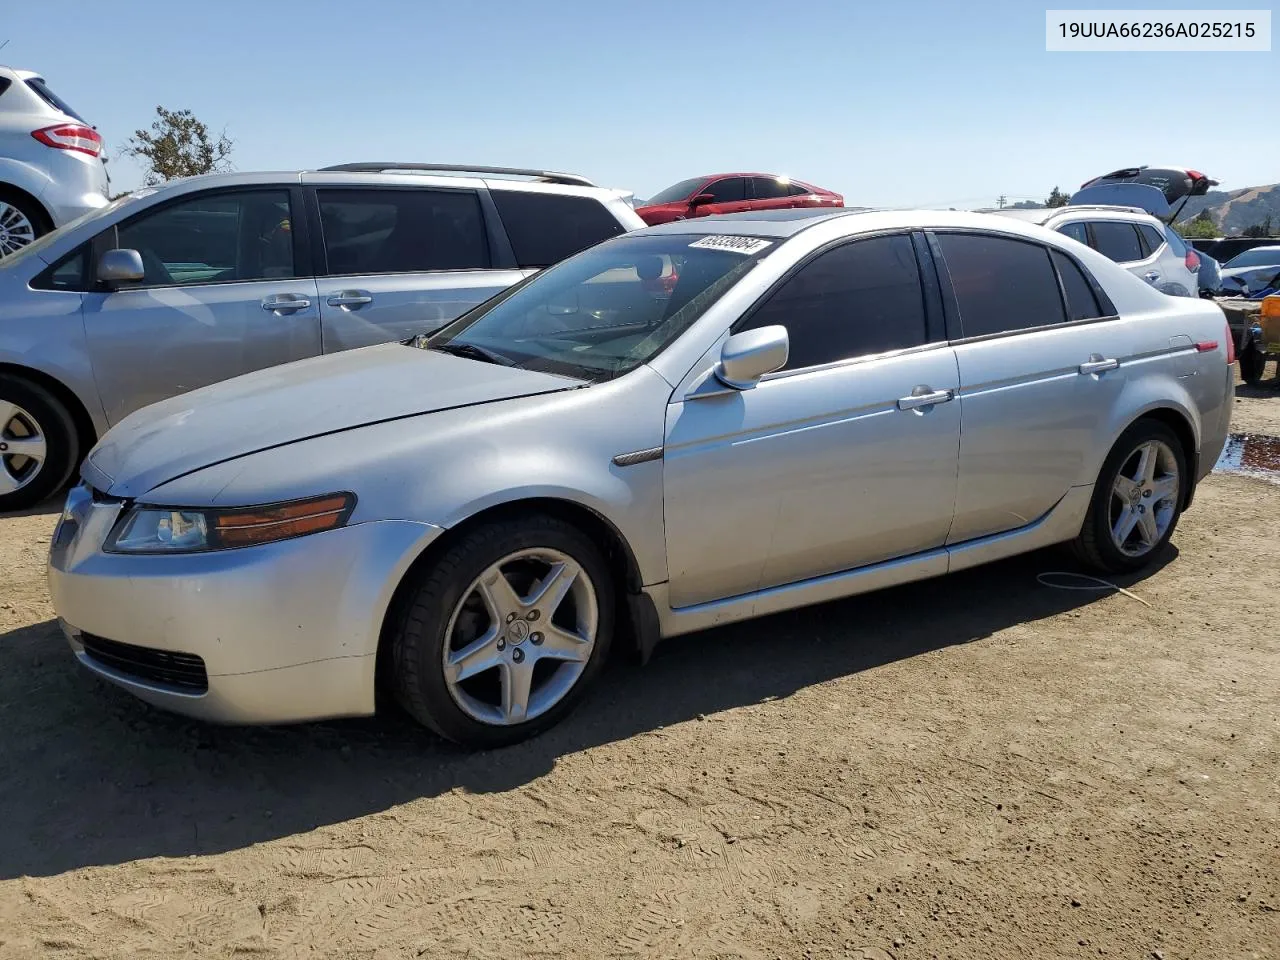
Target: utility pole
x=1000 y=202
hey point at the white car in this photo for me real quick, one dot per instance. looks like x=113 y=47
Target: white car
x=1133 y=238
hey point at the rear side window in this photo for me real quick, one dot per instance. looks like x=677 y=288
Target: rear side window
x=769 y=188
x=1076 y=231
x=1000 y=284
x=545 y=228
x=402 y=231
x=1152 y=238
x=1081 y=303
x=1116 y=241
x=861 y=298
x=52 y=99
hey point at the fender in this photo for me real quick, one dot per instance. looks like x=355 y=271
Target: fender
x=25 y=176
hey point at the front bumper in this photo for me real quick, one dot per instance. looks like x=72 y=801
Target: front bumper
x=286 y=631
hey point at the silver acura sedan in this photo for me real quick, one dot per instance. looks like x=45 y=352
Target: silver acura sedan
x=691 y=425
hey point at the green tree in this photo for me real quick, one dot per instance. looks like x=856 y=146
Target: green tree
x=178 y=145
x=1056 y=198
x=1200 y=227
x=1262 y=229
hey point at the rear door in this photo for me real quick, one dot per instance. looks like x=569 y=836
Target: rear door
x=770 y=193
x=398 y=261
x=1040 y=369
x=1120 y=241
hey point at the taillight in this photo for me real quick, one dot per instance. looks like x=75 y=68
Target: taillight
x=70 y=136
x=1231 y=346
x=1192 y=261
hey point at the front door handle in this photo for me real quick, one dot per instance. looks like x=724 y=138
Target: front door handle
x=1096 y=364
x=285 y=302
x=349 y=298
x=925 y=397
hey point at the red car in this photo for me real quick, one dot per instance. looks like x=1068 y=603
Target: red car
x=733 y=193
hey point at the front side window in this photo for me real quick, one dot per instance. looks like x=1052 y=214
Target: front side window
x=214 y=238
x=1116 y=241
x=607 y=310
x=545 y=228
x=402 y=231
x=1001 y=285
x=728 y=190
x=859 y=299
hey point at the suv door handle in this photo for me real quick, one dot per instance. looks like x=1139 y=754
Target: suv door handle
x=1096 y=364
x=925 y=397
x=349 y=298
x=285 y=301
x=1151 y=276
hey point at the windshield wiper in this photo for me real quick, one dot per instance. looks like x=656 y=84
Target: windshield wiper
x=473 y=352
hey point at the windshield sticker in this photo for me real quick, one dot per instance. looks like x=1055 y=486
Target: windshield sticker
x=743 y=245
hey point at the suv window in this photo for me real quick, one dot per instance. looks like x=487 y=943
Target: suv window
x=769 y=188
x=1152 y=238
x=1081 y=303
x=402 y=231
x=218 y=238
x=1076 y=231
x=1116 y=240
x=729 y=190
x=861 y=298
x=545 y=228
x=1001 y=284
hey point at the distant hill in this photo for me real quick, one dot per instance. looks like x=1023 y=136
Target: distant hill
x=1234 y=210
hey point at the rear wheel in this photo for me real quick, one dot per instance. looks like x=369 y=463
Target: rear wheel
x=21 y=222
x=38 y=443
x=1137 y=499
x=504 y=632
x=1252 y=363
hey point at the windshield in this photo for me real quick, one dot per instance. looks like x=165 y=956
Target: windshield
x=680 y=191
x=37 y=246
x=1258 y=257
x=607 y=310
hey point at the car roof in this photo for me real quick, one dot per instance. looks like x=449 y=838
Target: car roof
x=20 y=74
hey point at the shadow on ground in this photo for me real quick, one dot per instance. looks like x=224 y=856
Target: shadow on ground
x=94 y=777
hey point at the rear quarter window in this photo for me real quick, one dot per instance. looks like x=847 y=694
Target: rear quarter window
x=545 y=228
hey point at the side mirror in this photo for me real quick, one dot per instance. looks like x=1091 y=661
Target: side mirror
x=702 y=199
x=748 y=356
x=120 y=266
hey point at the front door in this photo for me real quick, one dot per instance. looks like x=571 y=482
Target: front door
x=225 y=292
x=728 y=195
x=844 y=458
x=401 y=262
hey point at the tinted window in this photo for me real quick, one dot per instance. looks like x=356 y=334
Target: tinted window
x=1076 y=231
x=770 y=188
x=728 y=190
x=1116 y=241
x=1001 y=284
x=402 y=231
x=4 y=85
x=547 y=227
x=1175 y=242
x=680 y=191
x=52 y=99
x=214 y=239
x=1260 y=257
x=1153 y=239
x=861 y=298
x=1081 y=303
x=799 y=190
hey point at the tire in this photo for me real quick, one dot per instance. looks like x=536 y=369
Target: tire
x=29 y=411
x=1096 y=545
x=22 y=220
x=1252 y=364
x=446 y=611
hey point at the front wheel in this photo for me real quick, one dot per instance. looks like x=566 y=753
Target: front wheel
x=1137 y=499
x=1252 y=363
x=503 y=633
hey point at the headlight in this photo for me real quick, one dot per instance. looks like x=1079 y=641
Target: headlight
x=148 y=529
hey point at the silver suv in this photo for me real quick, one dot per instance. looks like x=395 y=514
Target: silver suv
x=173 y=288
x=51 y=165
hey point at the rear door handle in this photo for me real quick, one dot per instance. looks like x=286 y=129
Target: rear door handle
x=349 y=298
x=1096 y=364
x=925 y=397
x=285 y=302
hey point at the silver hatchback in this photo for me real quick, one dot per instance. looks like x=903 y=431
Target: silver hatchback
x=692 y=425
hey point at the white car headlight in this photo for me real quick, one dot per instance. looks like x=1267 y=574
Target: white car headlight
x=154 y=529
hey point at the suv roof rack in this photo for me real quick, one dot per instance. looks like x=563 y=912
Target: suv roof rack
x=546 y=176
x=1102 y=206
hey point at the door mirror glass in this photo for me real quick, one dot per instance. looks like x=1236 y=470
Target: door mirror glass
x=120 y=266
x=748 y=356
x=702 y=199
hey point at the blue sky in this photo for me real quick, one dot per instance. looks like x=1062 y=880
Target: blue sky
x=893 y=104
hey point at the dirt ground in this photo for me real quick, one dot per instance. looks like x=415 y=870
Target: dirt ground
x=973 y=767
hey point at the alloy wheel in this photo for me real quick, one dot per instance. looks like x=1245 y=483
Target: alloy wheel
x=23 y=447
x=1144 y=498
x=16 y=229
x=521 y=636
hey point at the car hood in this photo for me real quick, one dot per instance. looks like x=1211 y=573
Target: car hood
x=296 y=401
